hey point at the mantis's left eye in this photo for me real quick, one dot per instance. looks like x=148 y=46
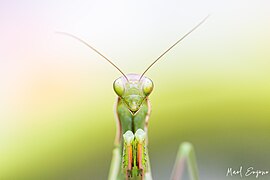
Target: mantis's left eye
x=147 y=86
x=118 y=87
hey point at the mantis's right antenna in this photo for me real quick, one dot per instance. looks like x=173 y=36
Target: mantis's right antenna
x=88 y=45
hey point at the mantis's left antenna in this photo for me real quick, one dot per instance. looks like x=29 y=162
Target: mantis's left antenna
x=183 y=37
x=88 y=45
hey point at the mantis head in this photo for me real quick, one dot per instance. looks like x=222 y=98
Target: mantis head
x=133 y=90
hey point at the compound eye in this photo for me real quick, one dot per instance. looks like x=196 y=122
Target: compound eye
x=147 y=86
x=118 y=87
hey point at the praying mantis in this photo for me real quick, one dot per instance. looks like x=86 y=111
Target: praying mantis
x=130 y=159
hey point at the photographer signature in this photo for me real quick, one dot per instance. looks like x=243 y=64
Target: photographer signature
x=250 y=171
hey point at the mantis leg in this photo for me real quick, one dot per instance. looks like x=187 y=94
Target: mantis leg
x=185 y=155
x=116 y=160
x=135 y=156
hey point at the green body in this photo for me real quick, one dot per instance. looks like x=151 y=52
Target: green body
x=131 y=122
x=132 y=114
x=132 y=111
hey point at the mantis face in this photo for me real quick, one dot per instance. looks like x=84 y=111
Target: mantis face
x=133 y=88
x=133 y=91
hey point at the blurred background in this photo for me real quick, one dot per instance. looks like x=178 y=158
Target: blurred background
x=56 y=97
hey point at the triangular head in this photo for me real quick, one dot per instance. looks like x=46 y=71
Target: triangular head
x=133 y=91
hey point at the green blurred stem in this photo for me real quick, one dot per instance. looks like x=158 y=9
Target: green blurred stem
x=185 y=155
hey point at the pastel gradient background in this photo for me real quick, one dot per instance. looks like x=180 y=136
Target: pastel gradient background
x=56 y=96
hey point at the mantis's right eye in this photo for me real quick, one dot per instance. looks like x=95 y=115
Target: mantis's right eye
x=118 y=87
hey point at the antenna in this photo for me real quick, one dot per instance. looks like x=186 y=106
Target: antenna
x=174 y=45
x=88 y=45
